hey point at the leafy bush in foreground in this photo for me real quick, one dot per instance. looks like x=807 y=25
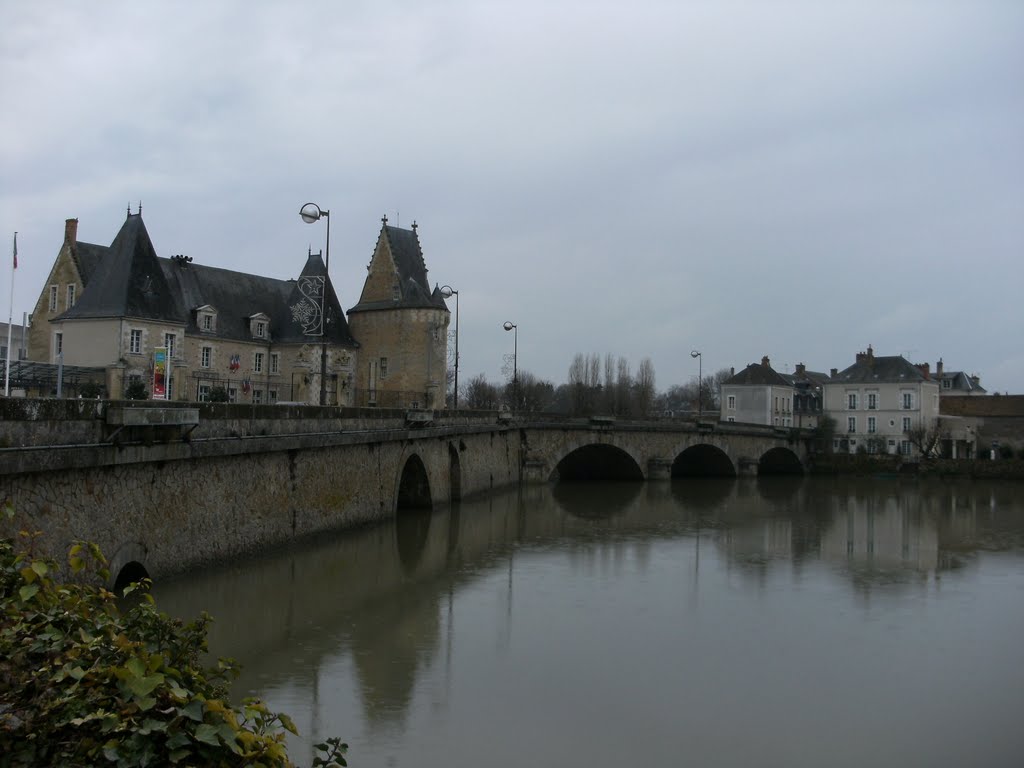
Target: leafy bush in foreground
x=84 y=683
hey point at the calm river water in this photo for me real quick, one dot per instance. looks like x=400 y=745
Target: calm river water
x=772 y=622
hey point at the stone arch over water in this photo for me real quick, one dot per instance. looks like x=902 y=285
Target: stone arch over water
x=703 y=460
x=779 y=461
x=128 y=565
x=414 y=486
x=597 y=462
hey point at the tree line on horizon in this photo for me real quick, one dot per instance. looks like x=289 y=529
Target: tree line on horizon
x=594 y=385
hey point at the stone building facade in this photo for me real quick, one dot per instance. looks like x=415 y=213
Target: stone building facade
x=186 y=330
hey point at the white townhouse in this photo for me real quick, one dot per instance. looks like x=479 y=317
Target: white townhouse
x=878 y=400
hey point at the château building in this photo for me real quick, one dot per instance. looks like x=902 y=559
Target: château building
x=184 y=330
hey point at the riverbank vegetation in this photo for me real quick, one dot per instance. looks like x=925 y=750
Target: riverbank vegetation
x=90 y=678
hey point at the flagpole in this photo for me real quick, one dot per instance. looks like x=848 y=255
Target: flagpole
x=10 y=321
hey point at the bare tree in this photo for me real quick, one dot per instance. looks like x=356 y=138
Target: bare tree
x=644 y=388
x=927 y=439
x=535 y=394
x=480 y=394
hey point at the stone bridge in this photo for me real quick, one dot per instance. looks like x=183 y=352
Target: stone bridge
x=164 y=489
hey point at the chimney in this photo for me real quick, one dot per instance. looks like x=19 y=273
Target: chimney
x=766 y=362
x=871 y=353
x=938 y=369
x=834 y=372
x=975 y=380
x=861 y=357
x=732 y=370
x=925 y=369
x=71 y=231
x=800 y=369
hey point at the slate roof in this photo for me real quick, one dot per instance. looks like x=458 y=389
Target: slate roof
x=961 y=382
x=87 y=258
x=871 y=369
x=128 y=279
x=414 y=287
x=757 y=374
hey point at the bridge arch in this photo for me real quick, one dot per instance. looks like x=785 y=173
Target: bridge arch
x=703 y=460
x=414 y=485
x=597 y=462
x=128 y=565
x=779 y=461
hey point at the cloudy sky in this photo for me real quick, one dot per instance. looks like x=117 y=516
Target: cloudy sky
x=794 y=179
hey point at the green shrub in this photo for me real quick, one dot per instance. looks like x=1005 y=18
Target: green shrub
x=218 y=395
x=85 y=683
x=136 y=390
x=90 y=390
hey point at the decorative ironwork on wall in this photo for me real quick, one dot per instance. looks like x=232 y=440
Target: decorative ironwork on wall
x=308 y=312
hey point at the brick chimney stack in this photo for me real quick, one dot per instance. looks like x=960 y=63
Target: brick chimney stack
x=71 y=231
x=833 y=373
x=938 y=369
x=925 y=369
x=766 y=362
x=800 y=369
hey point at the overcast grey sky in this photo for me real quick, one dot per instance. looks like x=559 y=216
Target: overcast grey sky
x=793 y=179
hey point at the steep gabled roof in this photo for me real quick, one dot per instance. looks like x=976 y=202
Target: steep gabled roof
x=758 y=374
x=870 y=369
x=411 y=273
x=127 y=281
x=961 y=382
x=237 y=296
x=88 y=258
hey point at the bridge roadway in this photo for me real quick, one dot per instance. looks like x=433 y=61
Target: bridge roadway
x=162 y=492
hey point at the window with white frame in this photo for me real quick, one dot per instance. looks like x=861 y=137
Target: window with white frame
x=204 y=357
x=872 y=425
x=851 y=401
x=872 y=401
x=905 y=447
x=257 y=396
x=908 y=400
x=135 y=342
x=53 y=298
x=259 y=329
x=275 y=362
x=851 y=423
x=203 y=395
x=71 y=295
x=257 y=363
x=732 y=403
x=169 y=344
x=731 y=418
x=58 y=344
x=272 y=396
x=906 y=423
x=206 y=322
x=947 y=383
x=232 y=395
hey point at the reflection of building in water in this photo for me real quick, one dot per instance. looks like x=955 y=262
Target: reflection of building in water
x=882 y=533
x=765 y=540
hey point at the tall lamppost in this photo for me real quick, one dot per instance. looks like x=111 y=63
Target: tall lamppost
x=447 y=292
x=510 y=326
x=700 y=382
x=311 y=212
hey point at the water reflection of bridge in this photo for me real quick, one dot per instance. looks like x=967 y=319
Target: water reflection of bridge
x=385 y=594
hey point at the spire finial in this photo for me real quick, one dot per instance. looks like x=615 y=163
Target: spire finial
x=384 y=219
x=140 y=207
x=414 y=225
x=128 y=213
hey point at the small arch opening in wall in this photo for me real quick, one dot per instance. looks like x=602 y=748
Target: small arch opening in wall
x=130 y=573
x=414 y=486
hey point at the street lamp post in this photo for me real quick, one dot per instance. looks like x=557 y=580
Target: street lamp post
x=700 y=382
x=311 y=212
x=510 y=326
x=447 y=291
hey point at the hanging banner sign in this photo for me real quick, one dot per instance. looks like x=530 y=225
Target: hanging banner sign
x=160 y=373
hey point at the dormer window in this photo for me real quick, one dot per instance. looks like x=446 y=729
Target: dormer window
x=206 y=319
x=259 y=326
